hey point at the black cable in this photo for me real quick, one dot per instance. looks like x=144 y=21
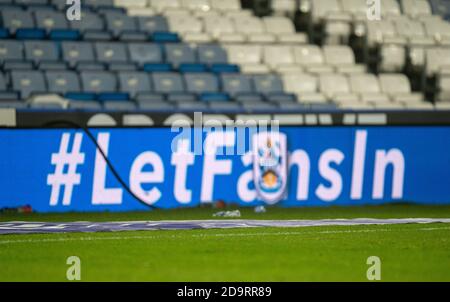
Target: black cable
x=108 y=162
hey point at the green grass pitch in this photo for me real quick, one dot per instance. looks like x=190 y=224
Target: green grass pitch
x=408 y=252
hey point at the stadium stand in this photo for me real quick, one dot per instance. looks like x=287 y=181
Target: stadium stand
x=215 y=54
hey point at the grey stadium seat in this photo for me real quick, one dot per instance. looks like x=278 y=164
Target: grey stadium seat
x=75 y=52
x=134 y=82
x=167 y=82
x=11 y=50
x=109 y=52
x=14 y=18
x=41 y=51
x=268 y=84
x=119 y=22
x=211 y=53
x=49 y=20
x=179 y=53
x=89 y=21
x=62 y=81
x=98 y=81
x=28 y=82
x=151 y=24
x=236 y=83
x=145 y=53
x=201 y=82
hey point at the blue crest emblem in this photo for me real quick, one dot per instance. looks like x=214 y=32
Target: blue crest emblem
x=270 y=166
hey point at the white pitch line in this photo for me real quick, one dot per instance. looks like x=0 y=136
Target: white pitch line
x=90 y=238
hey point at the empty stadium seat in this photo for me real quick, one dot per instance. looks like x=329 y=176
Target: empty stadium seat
x=98 y=81
x=62 y=81
x=28 y=82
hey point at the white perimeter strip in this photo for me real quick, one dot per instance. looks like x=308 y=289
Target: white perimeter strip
x=17 y=227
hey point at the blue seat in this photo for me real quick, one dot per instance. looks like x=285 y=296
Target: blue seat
x=81 y=96
x=41 y=51
x=224 y=68
x=150 y=24
x=269 y=83
x=201 y=82
x=117 y=23
x=64 y=34
x=179 y=53
x=30 y=34
x=28 y=82
x=49 y=20
x=74 y=52
x=134 y=82
x=211 y=54
x=4 y=33
x=214 y=97
x=11 y=50
x=14 y=18
x=192 y=67
x=98 y=81
x=145 y=53
x=157 y=67
x=62 y=81
x=89 y=21
x=234 y=83
x=165 y=37
x=167 y=82
x=113 y=96
x=108 y=52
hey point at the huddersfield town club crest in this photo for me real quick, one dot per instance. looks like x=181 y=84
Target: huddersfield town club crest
x=270 y=166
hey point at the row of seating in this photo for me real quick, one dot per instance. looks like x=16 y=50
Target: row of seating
x=355 y=90
x=286 y=59
x=233 y=85
x=117 y=24
x=110 y=52
x=252 y=58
